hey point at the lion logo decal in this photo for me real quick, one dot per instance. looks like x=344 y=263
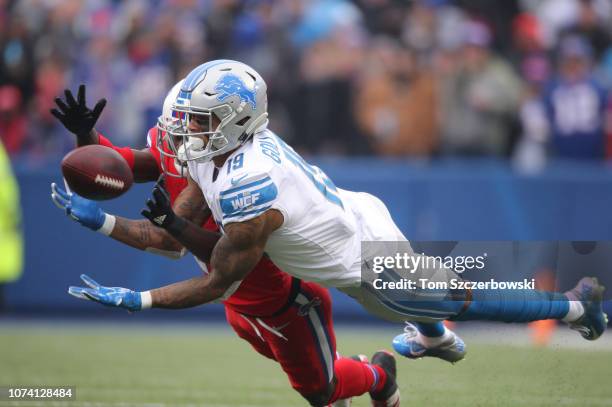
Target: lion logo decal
x=230 y=85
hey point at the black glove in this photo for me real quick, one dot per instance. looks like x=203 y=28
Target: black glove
x=76 y=116
x=160 y=211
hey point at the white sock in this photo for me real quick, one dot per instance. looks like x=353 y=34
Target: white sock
x=576 y=310
x=431 y=342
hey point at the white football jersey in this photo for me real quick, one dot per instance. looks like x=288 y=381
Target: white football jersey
x=320 y=239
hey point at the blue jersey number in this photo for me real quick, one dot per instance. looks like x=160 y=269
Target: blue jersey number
x=235 y=163
x=319 y=179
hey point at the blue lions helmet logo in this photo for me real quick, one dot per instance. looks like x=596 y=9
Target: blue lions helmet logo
x=230 y=85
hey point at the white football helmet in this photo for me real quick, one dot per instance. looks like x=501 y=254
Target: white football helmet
x=230 y=91
x=168 y=121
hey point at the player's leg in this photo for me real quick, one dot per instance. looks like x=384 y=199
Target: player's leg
x=248 y=331
x=258 y=336
x=580 y=307
x=303 y=342
x=428 y=338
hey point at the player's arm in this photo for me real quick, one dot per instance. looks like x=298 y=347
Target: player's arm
x=188 y=212
x=143 y=235
x=235 y=254
x=140 y=234
x=183 y=228
x=142 y=162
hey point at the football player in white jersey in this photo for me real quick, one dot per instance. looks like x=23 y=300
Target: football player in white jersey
x=269 y=201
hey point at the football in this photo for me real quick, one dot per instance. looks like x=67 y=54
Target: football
x=97 y=172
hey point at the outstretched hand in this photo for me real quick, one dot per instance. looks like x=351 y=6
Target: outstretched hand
x=82 y=210
x=159 y=207
x=76 y=116
x=109 y=296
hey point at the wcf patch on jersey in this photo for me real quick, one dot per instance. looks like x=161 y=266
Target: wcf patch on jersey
x=251 y=199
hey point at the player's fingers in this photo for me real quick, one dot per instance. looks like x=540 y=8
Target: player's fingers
x=97 y=111
x=59 y=191
x=158 y=195
x=164 y=192
x=71 y=213
x=161 y=181
x=59 y=201
x=146 y=214
x=70 y=98
x=58 y=115
x=77 y=292
x=89 y=281
x=92 y=295
x=60 y=103
x=81 y=95
x=151 y=204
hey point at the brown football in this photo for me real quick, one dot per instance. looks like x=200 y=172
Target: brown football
x=97 y=172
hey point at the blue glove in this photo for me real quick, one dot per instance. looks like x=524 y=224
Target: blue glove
x=82 y=210
x=109 y=296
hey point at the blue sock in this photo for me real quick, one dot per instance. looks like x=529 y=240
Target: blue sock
x=515 y=306
x=431 y=330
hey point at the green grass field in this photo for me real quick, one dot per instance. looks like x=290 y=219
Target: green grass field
x=173 y=366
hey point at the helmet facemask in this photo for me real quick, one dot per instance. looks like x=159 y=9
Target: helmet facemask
x=167 y=123
x=207 y=141
x=167 y=146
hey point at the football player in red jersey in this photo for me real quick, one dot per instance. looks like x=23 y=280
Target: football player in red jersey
x=283 y=318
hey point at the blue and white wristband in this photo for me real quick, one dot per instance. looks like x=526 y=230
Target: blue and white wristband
x=108 y=225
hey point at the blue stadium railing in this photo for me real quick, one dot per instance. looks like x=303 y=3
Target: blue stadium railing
x=441 y=200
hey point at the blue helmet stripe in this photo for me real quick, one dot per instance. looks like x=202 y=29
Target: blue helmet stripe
x=197 y=74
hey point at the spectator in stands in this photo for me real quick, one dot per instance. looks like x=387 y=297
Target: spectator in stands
x=309 y=51
x=575 y=104
x=16 y=55
x=533 y=63
x=396 y=102
x=592 y=26
x=329 y=39
x=479 y=99
x=530 y=154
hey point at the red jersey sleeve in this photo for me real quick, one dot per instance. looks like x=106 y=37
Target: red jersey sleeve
x=126 y=152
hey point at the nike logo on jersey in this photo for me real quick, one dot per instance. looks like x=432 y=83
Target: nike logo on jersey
x=160 y=219
x=236 y=181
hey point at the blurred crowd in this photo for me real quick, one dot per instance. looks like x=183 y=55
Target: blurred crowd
x=524 y=79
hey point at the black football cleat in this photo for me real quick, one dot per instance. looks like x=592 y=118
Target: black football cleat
x=389 y=396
